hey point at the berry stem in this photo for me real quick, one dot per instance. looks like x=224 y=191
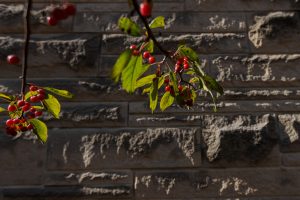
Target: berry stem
x=149 y=31
x=26 y=46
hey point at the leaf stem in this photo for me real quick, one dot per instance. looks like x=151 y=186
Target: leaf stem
x=26 y=46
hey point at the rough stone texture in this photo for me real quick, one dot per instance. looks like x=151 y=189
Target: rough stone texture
x=108 y=145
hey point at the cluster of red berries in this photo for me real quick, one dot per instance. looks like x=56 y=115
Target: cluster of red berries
x=28 y=112
x=61 y=13
x=146 y=55
x=145 y=9
x=182 y=64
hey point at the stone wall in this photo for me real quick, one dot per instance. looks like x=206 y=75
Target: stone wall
x=109 y=146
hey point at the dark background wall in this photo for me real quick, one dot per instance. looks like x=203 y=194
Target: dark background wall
x=108 y=145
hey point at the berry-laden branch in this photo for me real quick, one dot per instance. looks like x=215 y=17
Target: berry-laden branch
x=25 y=110
x=183 y=81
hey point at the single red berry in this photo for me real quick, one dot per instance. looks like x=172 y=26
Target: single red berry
x=11 y=131
x=11 y=108
x=41 y=91
x=13 y=59
x=9 y=122
x=23 y=128
x=41 y=96
x=178 y=62
x=146 y=55
x=34 y=99
x=33 y=88
x=30 y=115
x=16 y=121
x=167 y=81
x=186 y=66
x=26 y=107
x=52 y=21
x=177 y=68
x=32 y=110
x=180 y=88
x=30 y=127
x=133 y=47
x=151 y=59
x=136 y=52
x=185 y=59
x=145 y=9
x=59 y=14
x=168 y=88
x=38 y=113
x=21 y=103
x=23 y=120
x=69 y=8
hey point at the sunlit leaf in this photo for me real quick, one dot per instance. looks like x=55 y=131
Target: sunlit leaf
x=150 y=46
x=153 y=96
x=30 y=94
x=40 y=129
x=166 y=101
x=146 y=90
x=158 y=22
x=128 y=26
x=120 y=64
x=174 y=82
x=52 y=105
x=132 y=72
x=2 y=109
x=145 y=80
x=63 y=93
x=6 y=97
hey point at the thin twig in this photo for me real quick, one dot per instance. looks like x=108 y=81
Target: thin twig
x=26 y=46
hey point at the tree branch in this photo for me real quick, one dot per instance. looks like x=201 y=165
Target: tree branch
x=26 y=46
x=149 y=31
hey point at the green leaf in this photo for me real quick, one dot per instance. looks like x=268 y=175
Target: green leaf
x=174 y=82
x=188 y=52
x=158 y=22
x=150 y=46
x=63 y=93
x=166 y=101
x=2 y=109
x=145 y=80
x=212 y=84
x=128 y=26
x=146 y=90
x=210 y=93
x=120 y=64
x=153 y=95
x=132 y=72
x=52 y=105
x=40 y=129
x=6 y=97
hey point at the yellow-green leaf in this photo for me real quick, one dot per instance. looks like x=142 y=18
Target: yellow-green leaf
x=30 y=94
x=2 y=109
x=120 y=64
x=5 y=97
x=63 y=93
x=158 y=22
x=132 y=72
x=145 y=80
x=150 y=46
x=188 y=52
x=52 y=105
x=166 y=101
x=40 y=129
x=153 y=96
x=128 y=26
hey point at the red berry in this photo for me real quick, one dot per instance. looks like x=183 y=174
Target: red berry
x=21 y=103
x=167 y=88
x=11 y=131
x=30 y=127
x=23 y=128
x=33 y=88
x=186 y=66
x=52 y=21
x=167 y=81
x=178 y=62
x=34 y=99
x=133 y=47
x=185 y=59
x=9 y=122
x=26 y=107
x=177 y=68
x=180 y=88
x=70 y=9
x=38 y=113
x=146 y=55
x=41 y=96
x=11 y=108
x=59 y=14
x=41 y=91
x=16 y=121
x=136 y=52
x=151 y=60
x=13 y=59
x=32 y=110
x=30 y=115
x=145 y=9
